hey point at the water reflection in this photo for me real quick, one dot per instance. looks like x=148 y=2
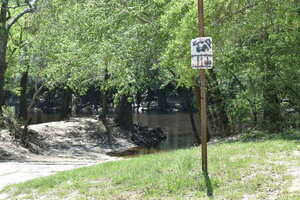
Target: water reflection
x=176 y=125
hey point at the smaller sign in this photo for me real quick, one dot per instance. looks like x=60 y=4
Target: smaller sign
x=202 y=55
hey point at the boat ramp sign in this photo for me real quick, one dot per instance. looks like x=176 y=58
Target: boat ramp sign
x=201 y=51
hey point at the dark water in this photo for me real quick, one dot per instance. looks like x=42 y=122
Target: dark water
x=176 y=125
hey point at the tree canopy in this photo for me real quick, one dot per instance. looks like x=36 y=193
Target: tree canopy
x=132 y=46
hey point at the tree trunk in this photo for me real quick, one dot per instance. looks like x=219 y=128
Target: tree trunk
x=194 y=128
x=24 y=138
x=5 y=12
x=162 y=101
x=104 y=103
x=66 y=108
x=3 y=63
x=124 y=114
x=191 y=115
x=187 y=97
x=103 y=116
x=23 y=98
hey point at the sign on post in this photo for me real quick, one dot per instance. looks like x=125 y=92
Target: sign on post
x=202 y=55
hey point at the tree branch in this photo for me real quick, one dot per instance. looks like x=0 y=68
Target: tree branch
x=16 y=18
x=18 y=6
x=142 y=19
x=241 y=11
x=31 y=8
x=3 y=11
x=146 y=21
x=36 y=93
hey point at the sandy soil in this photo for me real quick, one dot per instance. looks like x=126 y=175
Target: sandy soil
x=12 y=172
x=62 y=145
x=78 y=137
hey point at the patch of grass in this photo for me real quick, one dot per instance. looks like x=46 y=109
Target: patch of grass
x=258 y=135
x=236 y=170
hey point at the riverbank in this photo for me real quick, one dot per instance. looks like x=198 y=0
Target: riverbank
x=255 y=168
x=84 y=137
x=58 y=146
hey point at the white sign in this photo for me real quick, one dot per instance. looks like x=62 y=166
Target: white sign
x=202 y=55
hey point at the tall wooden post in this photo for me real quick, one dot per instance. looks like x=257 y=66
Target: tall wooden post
x=203 y=99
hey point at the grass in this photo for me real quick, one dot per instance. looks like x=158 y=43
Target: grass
x=247 y=169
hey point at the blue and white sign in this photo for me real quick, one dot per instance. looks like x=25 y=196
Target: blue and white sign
x=201 y=51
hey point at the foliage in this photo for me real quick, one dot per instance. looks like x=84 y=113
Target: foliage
x=90 y=38
x=12 y=123
x=255 y=52
x=130 y=47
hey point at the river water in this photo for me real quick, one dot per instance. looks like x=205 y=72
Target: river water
x=176 y=125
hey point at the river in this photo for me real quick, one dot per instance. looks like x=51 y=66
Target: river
x=176 y=125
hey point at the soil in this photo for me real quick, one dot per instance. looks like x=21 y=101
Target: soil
x=293 y=171
x=60 y=146
x=85 y=138
x=12 y=172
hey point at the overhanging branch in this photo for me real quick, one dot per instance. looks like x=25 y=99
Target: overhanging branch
x=31 y=8
x=16 y=18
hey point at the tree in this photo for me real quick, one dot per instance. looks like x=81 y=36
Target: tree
x=6 y=23
x=108 y=44
x=254 y=50
x=259 y=42
x=176 y=60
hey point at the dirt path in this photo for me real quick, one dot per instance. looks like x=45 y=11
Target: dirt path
x=19 y=171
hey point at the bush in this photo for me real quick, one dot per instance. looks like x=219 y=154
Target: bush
x=11 y=122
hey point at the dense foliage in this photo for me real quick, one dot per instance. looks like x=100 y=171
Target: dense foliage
x=130 y=48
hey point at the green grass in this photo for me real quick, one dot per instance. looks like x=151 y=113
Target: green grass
x=247 y=168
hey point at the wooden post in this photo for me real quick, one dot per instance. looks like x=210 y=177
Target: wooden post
x=203 y=98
